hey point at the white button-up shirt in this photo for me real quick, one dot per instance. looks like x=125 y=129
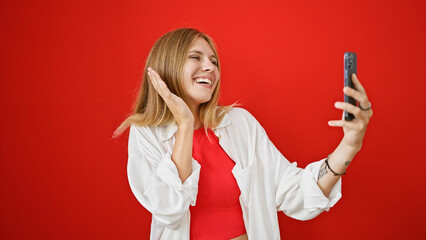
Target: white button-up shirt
x=267 y=180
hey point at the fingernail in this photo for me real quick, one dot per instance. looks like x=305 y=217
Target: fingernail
x=336 y=104
x=329 y=123
x=149 y=69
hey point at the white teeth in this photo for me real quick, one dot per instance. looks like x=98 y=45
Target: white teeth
x=203 y=80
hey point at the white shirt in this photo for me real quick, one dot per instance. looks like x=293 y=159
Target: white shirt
x=268 y=182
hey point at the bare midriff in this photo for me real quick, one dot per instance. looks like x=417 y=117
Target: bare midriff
x=242 y=237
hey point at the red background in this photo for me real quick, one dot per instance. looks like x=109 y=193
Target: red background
x=70 y=71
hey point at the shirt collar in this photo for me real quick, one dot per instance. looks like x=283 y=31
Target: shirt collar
x=167 y=131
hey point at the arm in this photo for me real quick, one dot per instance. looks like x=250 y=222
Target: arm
x=154 y=178
x=339 y=160
x=352 y=141
x=294 y=189
x=164 y=183
x=182 y=150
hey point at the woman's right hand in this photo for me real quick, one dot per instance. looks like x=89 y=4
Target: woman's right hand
x=177 y=106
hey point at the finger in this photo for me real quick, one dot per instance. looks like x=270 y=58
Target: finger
x=359 y=96
x=356 y=111
x=160 y=83
x=343 y=123
x=153 y=79
x=357 y=83
x=163 y=90
x=154 y=83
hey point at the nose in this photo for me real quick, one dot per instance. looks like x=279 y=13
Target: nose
x=208 y=66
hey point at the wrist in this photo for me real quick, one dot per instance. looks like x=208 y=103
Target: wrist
x=350 y=149
x=186 y=126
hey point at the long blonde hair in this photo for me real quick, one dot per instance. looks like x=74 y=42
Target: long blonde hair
x=168 y=57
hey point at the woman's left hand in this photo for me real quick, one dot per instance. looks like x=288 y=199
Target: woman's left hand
x=354 y=130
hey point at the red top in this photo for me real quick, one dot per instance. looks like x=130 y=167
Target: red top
x=217 y=213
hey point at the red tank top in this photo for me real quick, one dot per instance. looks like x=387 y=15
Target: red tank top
x=217 y=213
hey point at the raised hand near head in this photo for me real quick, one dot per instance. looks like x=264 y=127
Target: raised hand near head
x=177 y=106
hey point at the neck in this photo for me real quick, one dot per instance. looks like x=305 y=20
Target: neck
x=197 y=122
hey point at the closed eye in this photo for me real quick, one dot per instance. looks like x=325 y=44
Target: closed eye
x=198 y=59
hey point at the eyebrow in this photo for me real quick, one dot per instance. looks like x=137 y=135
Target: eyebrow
x=199 y=52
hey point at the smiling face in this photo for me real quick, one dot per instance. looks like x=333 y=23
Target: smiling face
x=201 y=74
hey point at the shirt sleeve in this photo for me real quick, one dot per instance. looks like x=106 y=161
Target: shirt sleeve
x=297 y=193
x=154 y=178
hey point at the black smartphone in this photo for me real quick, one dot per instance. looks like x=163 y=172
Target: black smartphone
x=349 y=59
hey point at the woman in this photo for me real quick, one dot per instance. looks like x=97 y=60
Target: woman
x=210 y=172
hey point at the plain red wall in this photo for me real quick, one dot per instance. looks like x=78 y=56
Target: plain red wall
x=70 y=71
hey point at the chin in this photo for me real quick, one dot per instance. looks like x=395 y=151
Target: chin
x=202 y=101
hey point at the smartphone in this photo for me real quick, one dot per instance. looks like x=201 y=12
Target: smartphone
x=350 y=63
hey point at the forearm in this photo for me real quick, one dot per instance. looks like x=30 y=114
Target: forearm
x=339 y=161
x=182 y=151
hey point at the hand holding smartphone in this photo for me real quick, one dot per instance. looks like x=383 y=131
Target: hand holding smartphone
x=350 y=67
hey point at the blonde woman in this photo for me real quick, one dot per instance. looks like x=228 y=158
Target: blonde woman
x=210 y=172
